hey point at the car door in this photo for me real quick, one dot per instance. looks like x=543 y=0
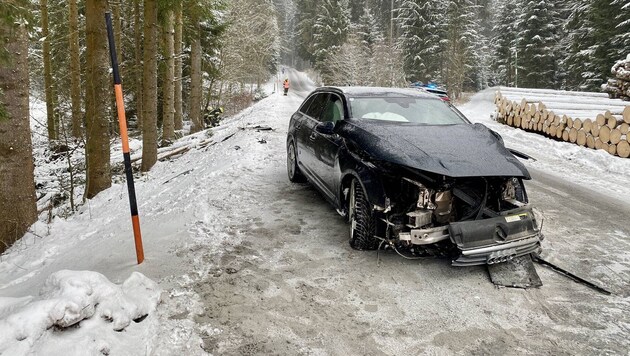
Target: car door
x=326 y=146
x=297 y=119
x=306 y=153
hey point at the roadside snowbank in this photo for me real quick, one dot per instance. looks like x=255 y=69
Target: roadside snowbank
x=67 y=298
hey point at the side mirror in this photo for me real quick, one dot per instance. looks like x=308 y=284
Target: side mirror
x=326 y=127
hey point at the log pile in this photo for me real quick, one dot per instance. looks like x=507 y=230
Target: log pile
x=586 y=119
x=619 y=85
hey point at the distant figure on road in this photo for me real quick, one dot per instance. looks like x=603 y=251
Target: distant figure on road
x=286 y=86
x=282 y=70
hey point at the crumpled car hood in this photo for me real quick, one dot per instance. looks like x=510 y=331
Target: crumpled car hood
x=461 y=150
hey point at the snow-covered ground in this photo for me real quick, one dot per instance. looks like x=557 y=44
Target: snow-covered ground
x=72 y=287
x=176 y=204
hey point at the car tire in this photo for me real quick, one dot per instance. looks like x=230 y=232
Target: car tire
x=363 y=221
x=295 y=175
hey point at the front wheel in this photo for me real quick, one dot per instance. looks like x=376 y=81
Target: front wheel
x=295 y=175
x=362 y=219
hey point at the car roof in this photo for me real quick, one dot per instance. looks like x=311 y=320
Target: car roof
x=377 y=92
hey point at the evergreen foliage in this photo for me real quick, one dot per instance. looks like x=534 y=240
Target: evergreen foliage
x=622 y=26
x=368 y=30
x=460 y=50
x=305 y=19
x=536 y=44
x=504 y=45
x=422 y=38
x=330 y=31
x=599 y=35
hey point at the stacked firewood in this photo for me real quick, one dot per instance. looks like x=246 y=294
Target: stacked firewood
x=587 y=119
x=619 y=85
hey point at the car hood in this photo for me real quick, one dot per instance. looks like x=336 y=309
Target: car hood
x=463 y=150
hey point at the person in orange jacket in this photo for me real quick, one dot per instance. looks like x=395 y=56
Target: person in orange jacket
x=285 y=85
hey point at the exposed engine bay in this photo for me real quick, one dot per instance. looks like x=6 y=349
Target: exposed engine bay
x=474 y=220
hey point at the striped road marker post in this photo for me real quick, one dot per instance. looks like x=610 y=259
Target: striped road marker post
x=122 y=121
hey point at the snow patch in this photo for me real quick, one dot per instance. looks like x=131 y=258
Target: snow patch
x=69 y=297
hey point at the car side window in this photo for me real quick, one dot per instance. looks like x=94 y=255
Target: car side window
x=316 y=107
x=304 y=108
x=334 y=109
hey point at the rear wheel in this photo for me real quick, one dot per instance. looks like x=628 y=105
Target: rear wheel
x=362 y=219
x=295 y=175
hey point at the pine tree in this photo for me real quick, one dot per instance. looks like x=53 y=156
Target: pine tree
x=461 y=39
x=536 y=44
x=357 y=9
x=481 y=76
x=606 y=49
x=168 y=79
x=75 y=69
x=137 y=65
x=329 y=32
x=422 y=32
x=577 y=40
x=18 y=209
x=49 y=84
x=598 y=35
x=368 y=30
x=305 y=20
x=385 y=12
x=286 y=12
x=149 y=86
x=96 y=103
x=196 y=90
x=203 y=28
x=348 y=64
x=621 y=40
x=178 y=101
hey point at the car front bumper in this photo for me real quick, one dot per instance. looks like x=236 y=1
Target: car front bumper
x=515 y=233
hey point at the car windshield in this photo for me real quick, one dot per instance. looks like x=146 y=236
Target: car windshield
x=404 y=109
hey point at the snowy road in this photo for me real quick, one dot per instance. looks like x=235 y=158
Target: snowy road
x=293 y=285
x=253 y=264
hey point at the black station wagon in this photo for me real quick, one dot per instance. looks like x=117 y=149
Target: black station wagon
x=410 y=172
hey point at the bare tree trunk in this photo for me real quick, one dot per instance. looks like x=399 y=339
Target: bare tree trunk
x=195 y=81
x=75 y=70
x=149 y=84
x=49 y=89
x=179 y=111
x=168 y=129
x=18 y=209
x=137 y=39
x=96 y=101
x=115 y=6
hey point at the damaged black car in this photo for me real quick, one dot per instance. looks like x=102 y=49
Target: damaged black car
x=410 y=172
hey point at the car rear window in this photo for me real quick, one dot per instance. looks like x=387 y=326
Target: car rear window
x=404 y=109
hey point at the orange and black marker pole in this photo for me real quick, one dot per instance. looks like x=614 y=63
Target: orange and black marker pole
x=122 y=121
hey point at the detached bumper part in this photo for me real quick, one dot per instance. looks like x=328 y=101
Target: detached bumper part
x=501 y=253
x=496 y=240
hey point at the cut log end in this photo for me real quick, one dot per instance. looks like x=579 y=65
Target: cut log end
x=623 y=149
